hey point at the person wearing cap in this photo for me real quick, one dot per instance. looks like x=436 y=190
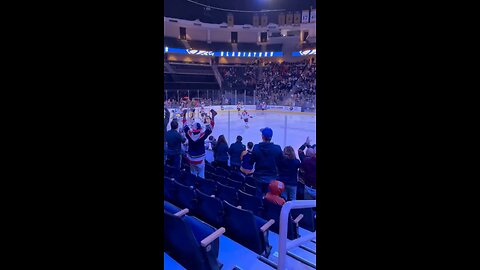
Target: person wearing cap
x=275 y=188
x=266 y=157
x=308 y=169
x=196 y=137
x=235 y=150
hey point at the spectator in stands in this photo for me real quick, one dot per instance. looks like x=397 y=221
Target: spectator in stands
x=220 y=152
x=288 y=171
x=246 y=167
x=196 y=137
x=174 y=142
x=235 y=150
x=212 y=141
x=266 y=157
x=275 y=188
x=307 y=171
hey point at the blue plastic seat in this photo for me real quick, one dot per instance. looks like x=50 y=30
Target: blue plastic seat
x=186 y=178
x=245 y=228
x=221 y=172
x=171 y=171
x=187 y=242
x=251 y=190
x=237 y=177
x=250 y=180
x=170 y=208
x=207 y=186
x=185 y=197
x=308 y=220
x=210 y=209
x=227 y=193
x=235 y=184
x=250 y=202
x=168 y=189
x=272 y=211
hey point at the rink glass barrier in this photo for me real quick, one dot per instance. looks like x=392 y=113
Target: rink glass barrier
x=232 y=97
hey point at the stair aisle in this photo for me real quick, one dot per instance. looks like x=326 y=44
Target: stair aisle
x=308 y=256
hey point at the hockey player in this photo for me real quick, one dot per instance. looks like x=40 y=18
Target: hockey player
x=264 y=107
x=239 y=107
x=245 y=116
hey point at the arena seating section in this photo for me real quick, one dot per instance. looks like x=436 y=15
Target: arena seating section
x=228 y=206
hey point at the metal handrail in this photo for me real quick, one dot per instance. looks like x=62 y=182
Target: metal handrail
x=282 y=242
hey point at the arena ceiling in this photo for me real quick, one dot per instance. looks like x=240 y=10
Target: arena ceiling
x=184 y=9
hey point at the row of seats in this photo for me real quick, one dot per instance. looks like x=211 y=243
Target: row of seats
x=238 y=190
x=189 y=241
x=211 y=208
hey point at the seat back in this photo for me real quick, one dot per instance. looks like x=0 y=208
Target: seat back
x=250 y=180
x=308 y=220
x=171 y=171
x=235 y=184
x=251 y=190
x=221 y=172
x=182 y=244
x=170 y=208
x=207 y=186
x=210 y=209
x=237 y=177
x=240 y=225
x=186 y=197
x=168 y=189
x=250 y=202
x=186 y=178
x=227 y=193
x=209 y=168
x=272 y=211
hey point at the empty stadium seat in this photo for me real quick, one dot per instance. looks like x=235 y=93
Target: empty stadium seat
x=250 y=202
x=207 y=186
x=168 y=189
x=185 y=197
x=171 y=171
x=250 y=180
x=221 y=172
x=272 y=211
x=308 y=220
x=247 y=229
x=251 y=190
x=192 y=243
x=237 y=177
x=235 y=184
x=187 y=178
x=227 y=193
x=210 y=209
x=170 y=208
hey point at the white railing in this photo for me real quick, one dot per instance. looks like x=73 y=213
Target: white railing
x=282 y=242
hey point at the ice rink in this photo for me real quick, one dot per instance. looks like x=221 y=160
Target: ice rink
x=299 y=126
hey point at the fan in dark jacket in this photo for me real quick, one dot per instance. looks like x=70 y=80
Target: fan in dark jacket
x=174 y=142
x=266 y=157
x=235 y=151
x=288 y=172
x=220 y=152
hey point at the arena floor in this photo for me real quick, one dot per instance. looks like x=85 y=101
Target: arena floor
x=299 y=127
